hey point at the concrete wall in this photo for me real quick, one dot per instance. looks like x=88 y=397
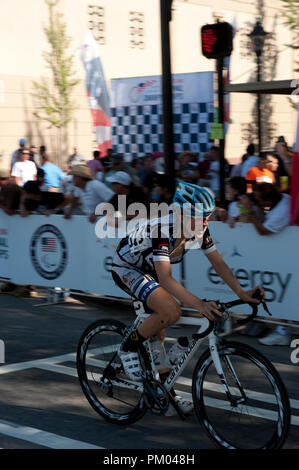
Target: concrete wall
x=21 y=32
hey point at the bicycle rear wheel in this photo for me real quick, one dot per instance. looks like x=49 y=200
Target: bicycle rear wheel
x=101 y=375
x=260 y=417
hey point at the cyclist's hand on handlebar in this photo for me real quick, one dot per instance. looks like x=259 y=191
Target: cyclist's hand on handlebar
x=209 y=310
x=252 y=295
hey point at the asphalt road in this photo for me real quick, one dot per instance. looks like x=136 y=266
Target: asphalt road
x=41 y=402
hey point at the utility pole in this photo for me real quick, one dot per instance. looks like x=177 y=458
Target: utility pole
x=168 y=140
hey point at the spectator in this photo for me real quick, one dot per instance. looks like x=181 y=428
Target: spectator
x=95 y=165
x=235 y=188
x=203 y=168
x=76 y=158
x=23 y=170
x=272 y=165
x=90 y=192
x=122 y=185
x=42 y=151
x=159 y=163
x=275 y=220
x=40 y=178
x=10 y=193
x=161 y=189
x=45 y=202
x=118 y=164
x=146 y=174
x=251 y=160
x=188 y=172
x=34 y=157
x=278 y=216
x=285 y=158
x=53 y=175
x=237 y=169
x=260 y=173
x=16 y=153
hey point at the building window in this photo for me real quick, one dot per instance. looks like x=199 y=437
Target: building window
x=96 y=22
x=136 y=30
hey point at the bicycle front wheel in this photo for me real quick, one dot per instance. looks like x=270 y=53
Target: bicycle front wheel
x=257 y=413
x=101 y=374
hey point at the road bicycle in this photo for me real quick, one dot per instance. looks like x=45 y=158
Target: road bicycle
x=238 y=395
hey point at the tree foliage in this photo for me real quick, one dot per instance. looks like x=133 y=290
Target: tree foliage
x=53 y=96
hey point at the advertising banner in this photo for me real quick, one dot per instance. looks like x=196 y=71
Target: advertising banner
x=136 y=112
x=270 y=262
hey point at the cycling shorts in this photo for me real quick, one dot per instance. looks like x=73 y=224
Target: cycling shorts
x=133 y=281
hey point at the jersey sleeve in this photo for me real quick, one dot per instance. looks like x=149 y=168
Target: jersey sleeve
x=160 y=249
x=207 y=245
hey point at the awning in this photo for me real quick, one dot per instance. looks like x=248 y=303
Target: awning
x=278 y=87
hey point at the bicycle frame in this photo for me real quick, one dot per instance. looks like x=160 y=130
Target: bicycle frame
x=186 y=357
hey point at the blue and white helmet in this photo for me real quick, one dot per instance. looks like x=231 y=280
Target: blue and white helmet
x=193 y=195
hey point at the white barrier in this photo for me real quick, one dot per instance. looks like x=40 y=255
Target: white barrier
x=52 y=251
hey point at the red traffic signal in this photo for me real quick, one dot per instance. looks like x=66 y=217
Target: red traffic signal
x=217 y=40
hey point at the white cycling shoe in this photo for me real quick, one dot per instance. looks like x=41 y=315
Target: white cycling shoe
x=186 y=407
x=131 y=364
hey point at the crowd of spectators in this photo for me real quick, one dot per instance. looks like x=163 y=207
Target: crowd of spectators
x=256 y=191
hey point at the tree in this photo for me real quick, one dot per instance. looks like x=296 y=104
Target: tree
x=53 y=96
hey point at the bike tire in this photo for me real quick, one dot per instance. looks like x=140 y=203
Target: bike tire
x=95 y=339
x=214 y=413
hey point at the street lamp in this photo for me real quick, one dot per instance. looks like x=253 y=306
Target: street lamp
x=258 y=36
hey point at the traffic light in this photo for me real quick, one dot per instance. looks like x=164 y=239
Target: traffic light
x=217 y=40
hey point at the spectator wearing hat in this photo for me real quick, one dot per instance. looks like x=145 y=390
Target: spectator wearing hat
x=54 y=178
x=10 y=193
x=17 y=152
x=23 y=170
x=122 y=185
x=90 y=192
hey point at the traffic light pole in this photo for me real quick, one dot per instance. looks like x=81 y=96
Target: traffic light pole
x=221 y=121
x=168 y=140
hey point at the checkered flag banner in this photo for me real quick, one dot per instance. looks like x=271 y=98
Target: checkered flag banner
x=136 y=114
x=96 y=91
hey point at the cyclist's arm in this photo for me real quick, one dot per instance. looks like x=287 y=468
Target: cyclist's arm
x=224 y=271
x=163 y=270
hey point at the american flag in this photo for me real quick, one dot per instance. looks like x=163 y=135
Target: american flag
x=49 y=244
x=97 y=92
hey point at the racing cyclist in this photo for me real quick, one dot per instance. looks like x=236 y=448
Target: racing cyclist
x=142 y=267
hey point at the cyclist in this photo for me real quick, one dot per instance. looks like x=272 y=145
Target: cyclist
x=142 y=267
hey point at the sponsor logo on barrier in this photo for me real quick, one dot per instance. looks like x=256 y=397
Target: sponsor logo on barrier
x=274 y=284
x=295 y=353
x=48 y=251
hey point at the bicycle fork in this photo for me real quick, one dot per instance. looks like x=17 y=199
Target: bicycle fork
x=219 y=369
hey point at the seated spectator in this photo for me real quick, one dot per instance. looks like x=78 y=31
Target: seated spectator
x=40 y=178
x=90 y=192
x=53 y=175
x=95 y=165
x=10 y=193
x=76 y=158
x=267 y=196
x=251 y=160
x=235 y=188
x=35 y=200
x=122 y=185
x=260 y=173
x=23 y=170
